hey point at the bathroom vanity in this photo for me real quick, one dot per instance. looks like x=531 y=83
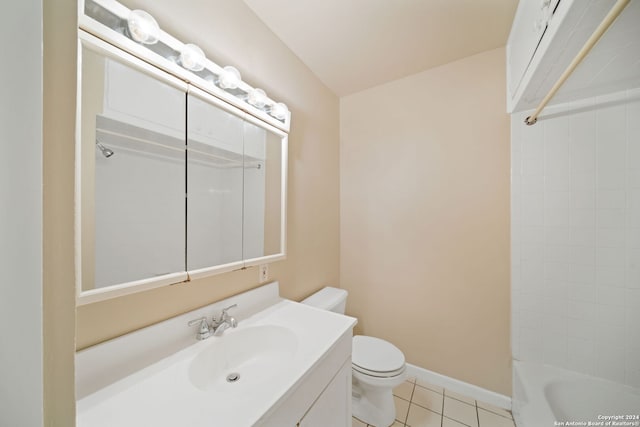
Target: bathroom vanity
x=286 y=364
x=181 y=173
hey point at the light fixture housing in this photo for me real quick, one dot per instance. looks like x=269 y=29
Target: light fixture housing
x=138 y=33
x=229 y=78
x=143 y=28
x=192 y=57
x=279 y=111
x=257 y=98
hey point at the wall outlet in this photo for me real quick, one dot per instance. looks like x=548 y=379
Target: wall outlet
x=263 y=273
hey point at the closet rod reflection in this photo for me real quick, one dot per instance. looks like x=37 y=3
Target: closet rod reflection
x=231 y=163
x=137 y=139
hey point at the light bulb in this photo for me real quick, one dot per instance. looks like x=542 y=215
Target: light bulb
x=229 y=78
x=279 y=111
x=142 y=27
x=192 y=57
x=257 y=98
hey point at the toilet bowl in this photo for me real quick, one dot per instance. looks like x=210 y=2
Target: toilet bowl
x=377 y=366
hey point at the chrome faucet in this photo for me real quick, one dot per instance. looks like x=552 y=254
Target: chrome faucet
x=204 y=331
x=224 y=322
x=216 y=327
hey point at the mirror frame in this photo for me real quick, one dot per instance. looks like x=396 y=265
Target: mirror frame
x=283 y=194
x=84 y=297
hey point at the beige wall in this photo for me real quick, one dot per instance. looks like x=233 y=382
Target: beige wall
x=424 y=205
x=59 y=47
x=231 y=34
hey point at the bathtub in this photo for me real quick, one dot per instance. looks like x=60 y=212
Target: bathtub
x=549 y=396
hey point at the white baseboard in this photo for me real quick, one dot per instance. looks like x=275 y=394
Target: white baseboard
x=458 y=386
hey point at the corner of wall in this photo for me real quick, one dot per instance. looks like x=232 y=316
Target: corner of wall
x=59 y=89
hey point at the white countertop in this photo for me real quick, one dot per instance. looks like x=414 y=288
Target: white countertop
x=161 y=394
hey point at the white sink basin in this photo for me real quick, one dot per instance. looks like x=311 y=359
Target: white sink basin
x=241 y=359
x=272 y=350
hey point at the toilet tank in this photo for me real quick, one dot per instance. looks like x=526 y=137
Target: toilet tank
x=332 y=299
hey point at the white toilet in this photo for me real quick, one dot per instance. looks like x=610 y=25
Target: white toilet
x=377 y=366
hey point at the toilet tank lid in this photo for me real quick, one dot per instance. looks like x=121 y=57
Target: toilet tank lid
x=326 y=298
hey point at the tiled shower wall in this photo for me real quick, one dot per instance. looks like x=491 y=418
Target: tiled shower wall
x=576 y=237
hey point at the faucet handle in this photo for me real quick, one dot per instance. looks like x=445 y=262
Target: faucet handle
x=204 y=332
x=224 y=310
x=233 y=322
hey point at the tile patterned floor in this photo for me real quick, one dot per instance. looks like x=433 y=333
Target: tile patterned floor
x=420 y=404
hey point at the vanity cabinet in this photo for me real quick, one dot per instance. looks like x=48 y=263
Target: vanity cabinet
x=293 y=364
x=332 y=408
x=322 y=397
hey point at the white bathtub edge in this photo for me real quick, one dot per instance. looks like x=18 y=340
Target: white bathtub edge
x=458 y=386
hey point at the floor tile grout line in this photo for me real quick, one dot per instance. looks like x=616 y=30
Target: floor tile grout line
x=406 y=417
x=442 y=410
x=453 y=419
x=424 y=407
x=510 y=417
x=401 y=398
x=441 y=393
x=430 y=389
x=461 y=401
x=455 y=398
x=444 y=395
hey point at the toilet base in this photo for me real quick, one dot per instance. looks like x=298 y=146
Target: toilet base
x=373 y=406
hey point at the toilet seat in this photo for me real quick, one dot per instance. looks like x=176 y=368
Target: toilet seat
x=378 y=374
x=376 y=357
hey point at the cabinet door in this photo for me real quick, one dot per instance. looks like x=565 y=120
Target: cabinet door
x=132 y=179
x=528 y=28
x=333 y=406
x=214 y=184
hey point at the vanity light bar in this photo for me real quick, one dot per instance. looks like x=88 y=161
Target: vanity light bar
x=143 y=31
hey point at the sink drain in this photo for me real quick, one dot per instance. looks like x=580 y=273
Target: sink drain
x=233 y=377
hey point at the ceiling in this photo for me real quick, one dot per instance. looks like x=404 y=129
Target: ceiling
x=352 y=45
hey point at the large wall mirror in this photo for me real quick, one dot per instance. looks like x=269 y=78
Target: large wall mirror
x=172 y=183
